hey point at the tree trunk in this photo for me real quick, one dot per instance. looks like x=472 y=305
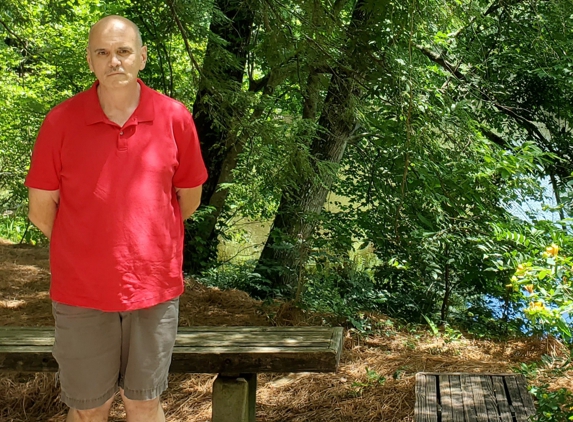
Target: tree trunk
x=287 y=249
x=214 y=117
x=446 y=298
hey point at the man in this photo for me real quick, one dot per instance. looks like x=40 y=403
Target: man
x=115 y=171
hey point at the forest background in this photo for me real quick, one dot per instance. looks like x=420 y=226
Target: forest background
x=363 y=154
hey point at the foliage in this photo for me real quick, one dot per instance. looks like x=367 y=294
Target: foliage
x=19 y=230
x=545 y=282
x=552 y=405
x=345 y=287
x=373 y=378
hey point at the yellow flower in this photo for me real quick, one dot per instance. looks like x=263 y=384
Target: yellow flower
x=537 y=305
x=522 y=269
x=529 y=288
x=552 y=250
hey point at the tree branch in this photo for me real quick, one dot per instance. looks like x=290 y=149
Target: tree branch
x=184 y=36
x=23 y=42
x=528 y=125
x=494 y=137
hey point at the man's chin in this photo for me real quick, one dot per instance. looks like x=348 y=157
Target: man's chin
x=118 y=82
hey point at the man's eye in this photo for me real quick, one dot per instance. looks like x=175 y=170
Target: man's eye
x=101 y=53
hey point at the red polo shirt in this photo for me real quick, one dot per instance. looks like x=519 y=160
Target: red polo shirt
x=117 y=242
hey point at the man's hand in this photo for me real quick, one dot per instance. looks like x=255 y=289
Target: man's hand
x=189 y=200
x=43 y=206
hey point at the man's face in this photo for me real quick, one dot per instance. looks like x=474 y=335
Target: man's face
x=115 y=53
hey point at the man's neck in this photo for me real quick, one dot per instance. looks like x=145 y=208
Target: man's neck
x=119 y=104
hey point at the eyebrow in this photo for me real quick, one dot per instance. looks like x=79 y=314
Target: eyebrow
x=118 y=48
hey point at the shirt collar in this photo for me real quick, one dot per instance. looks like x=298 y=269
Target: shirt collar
x=145 y=111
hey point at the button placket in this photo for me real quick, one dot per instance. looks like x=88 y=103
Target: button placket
x=122 y=141
x=125 y=133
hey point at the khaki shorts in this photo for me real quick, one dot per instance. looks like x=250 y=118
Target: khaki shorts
x=97 y=352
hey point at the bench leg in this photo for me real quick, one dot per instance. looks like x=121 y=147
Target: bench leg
x=252 y=381
x=234 y=398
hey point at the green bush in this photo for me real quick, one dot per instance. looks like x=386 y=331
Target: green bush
x=553 y=406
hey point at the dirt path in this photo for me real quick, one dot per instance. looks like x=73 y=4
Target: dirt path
x=392 y=358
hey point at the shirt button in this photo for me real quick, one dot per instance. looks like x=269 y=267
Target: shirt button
x=121 y=133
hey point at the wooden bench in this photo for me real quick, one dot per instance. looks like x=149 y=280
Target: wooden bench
x=457 y=397
x=237 y=354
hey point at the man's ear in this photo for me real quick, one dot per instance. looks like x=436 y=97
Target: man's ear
x=88 y=59
x=143 y=57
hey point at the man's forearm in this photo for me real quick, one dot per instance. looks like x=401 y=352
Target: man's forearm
x=188 y=207
x=44 y=222
x=189 y=200
x=43 y=207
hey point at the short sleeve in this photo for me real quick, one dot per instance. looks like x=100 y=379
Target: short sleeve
x=46 y=163
x=191 y=171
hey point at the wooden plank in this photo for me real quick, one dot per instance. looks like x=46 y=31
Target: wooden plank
x=252 y=342
x=479 y=398
x=274 y=349
x=268 y=336
x=307 y=333
x=468 y=399
x=195 y=361
x=501 y=399
x=337 y=342
x=420 y=393
x=324 y=336
x=515 y=399
x=30 y=341
x=258 y=329
x=254 y=363
x=489 y=399
x=426 y=407
x=276 y=343
x=446 y=398
x=432 y=397
x=457 y=398
x=31 y=361
x=465 y=373
x=324 y=331
x=526 y=398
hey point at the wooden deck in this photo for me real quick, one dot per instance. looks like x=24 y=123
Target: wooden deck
x=457 y=397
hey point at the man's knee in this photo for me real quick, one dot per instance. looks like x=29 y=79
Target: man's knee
x=138 y=408
x=98 y=414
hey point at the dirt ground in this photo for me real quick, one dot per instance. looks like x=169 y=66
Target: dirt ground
x=392 y=358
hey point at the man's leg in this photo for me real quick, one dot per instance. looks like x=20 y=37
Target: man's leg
x=148 y=340
x=143 y=410
x=99 y=414
x=87 y=348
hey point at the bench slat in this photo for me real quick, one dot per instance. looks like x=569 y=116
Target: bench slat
x=201 y=349
x=193 y=342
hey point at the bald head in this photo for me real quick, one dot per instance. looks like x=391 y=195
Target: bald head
x=116 y=54
x=114 y=22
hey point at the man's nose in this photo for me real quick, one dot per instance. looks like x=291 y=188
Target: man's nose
x=115 y=61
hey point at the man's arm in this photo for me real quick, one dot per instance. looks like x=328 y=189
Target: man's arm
x=43 y=206
x=189 y=200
